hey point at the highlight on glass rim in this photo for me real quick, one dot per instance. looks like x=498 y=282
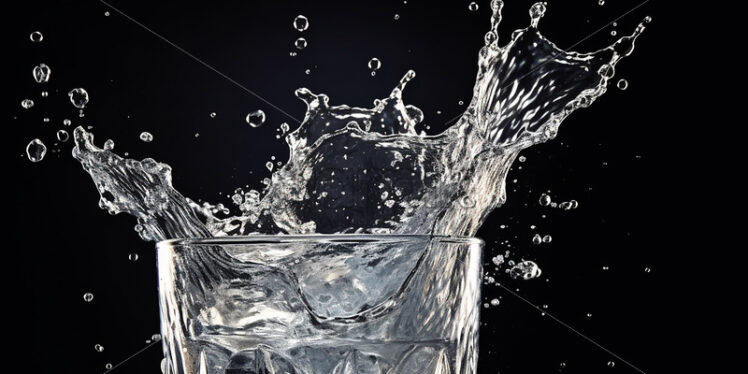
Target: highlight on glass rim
x=360 y=252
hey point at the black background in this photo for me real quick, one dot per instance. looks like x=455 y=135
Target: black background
x=616 y=158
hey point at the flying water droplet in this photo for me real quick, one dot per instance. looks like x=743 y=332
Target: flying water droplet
x=473 y=6
x=526 y=270
x=611 y=364
x=613 y=33
x=36 y=150
x=647 y=19
x=622 y=84
x=88 y=297
x=109 y=145
x=99 y=348
x=307 y=71
x=300 y=23
x=213 y=115
x=106 y=14
x=133 y=257
x=547 y=239
x=536 y=239
x=396 y=17
x=67 y=122
x=108 y=366
x=601 y=2
x=45 y=93
x=36 y=37
x=522 y=158
x=300 y=43
x=78 y=97
x=62 y=135
x=156 y=337
x=41 y=73
x=256 y=118
x=374 y=65
x=146 y=136
x=269 y=166
x=285 y=127
x=27 y=103
x=495 y=302
x=544 y=200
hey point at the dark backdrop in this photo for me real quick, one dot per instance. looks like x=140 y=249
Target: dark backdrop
x=614 y=158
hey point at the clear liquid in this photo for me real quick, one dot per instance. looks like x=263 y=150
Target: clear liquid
x=367 y=170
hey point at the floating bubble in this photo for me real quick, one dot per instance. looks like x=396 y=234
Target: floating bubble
x=300 y=43
x=146 y=136
x=27 y=103
x=41 y=73
x=622 y=84
x=473 y=6
x=62 y=135
x=99 y=348
x=300 y=23
x=256 y=118
x=78 y=97
x=36 y=150
x=36 y=37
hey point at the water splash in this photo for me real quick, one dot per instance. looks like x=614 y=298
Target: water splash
x=367 y=170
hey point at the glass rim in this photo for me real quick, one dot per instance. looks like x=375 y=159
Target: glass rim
x=317 y=238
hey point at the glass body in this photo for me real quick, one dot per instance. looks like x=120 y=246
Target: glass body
x=320 y=304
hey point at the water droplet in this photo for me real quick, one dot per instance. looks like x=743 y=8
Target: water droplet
x=460 y=102
x=601 y=2
x=292 y=54
x=573 y=204
x=62 y=135
x=42 y=73
x=108 y=366
x=67 y=122
x=269 y=166
x=547 y=239
x=156 y=337
x=490 y=37
x=495 y=302
x=285 y=127
x=589 y=315
x=45 y=120
x=300 y=43
x=606 y=268
x=563 y=365
x=622 y=84
x=109 y=145
x=647 y=19
x=36 y=37
x=473 y=6
x=99 y=348
x=88 y=297
x=164 y=365
x=526 y=270
x=36 y=150
x=256 y=118
x=27 y=103
x=307 y=71
x=613 y=32
x=146 y=136
x=374 y=64
x=78 y=97
x=213 y=115
x=45 y=93
x=647 y=270
x=544 y=200
x=537 y=11
x=300 y=23
x=522 y=158
x=106 y=14
x=611 y=364
x=133 y=257
x=396 y=17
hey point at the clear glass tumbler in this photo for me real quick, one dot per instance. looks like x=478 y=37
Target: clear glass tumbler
x=320 y=304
